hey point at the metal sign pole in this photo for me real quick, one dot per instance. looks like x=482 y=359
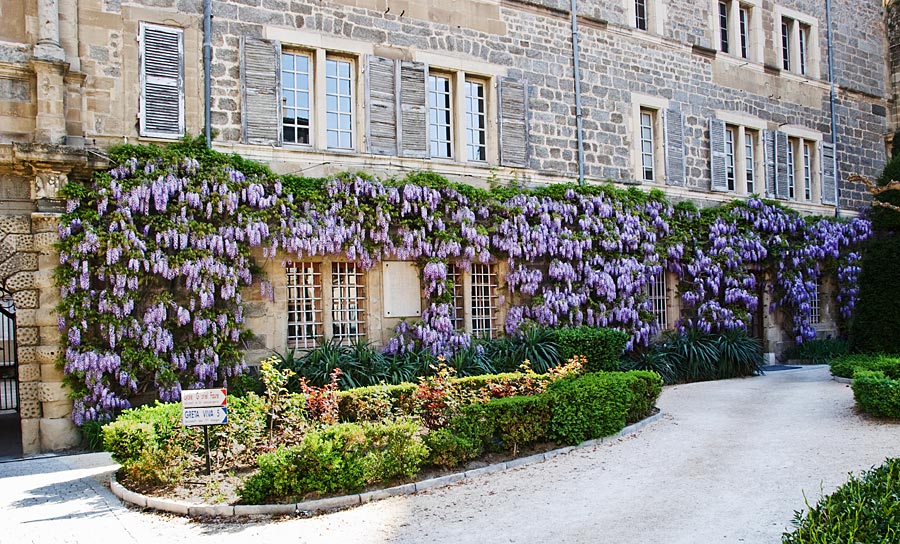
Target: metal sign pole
x=206 y=440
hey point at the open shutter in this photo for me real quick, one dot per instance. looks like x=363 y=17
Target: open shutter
x=413 y=110
x=261 y=92
x=718 y=164
x=162 y=81
x=674 y=137
x=381 y=86
x=829 y=174
x=769 y=161
x=782 y=189
x=513 y=125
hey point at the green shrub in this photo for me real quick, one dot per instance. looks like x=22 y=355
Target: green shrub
x=845 y=366
x=448 y=449
x=157 y=466
x=818 y=350
x=127 y=440
x=876 y=319
x=865 y=509
x=876 y=394
x=588 y=407
x=339 y=458
x=364 y=402
x=519 y=421
x=645 y=388
x=602 y=347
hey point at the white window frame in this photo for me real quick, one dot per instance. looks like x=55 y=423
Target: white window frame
x=747 y=130
x=145 y=80
x=482 y=317
x=435 y=127
x=731 y=141
x=656 y=291
x=341 y=98
x=304 y=304
x=807 y=153
x=743 y=21
x=655 y=106
x=348 y=302
x=310 y=96
x=655 y=15
x=476 y=121
x=803 y=55
x=815 y=315
x=751 y=142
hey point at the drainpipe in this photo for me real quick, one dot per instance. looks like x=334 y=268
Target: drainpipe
x=207 y=67
x=831 y=97
x=577 y=68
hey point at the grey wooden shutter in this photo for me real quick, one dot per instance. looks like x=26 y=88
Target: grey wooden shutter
x=413 y=109
x=162 y=81
x=674 y=136
x=381 y=86
x=718 y=165
x=261 y=91
x=829 y=174
x=781 y=165
x=513 y=123
x=769 y=161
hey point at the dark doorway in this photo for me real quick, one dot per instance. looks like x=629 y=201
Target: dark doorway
x=10 y=422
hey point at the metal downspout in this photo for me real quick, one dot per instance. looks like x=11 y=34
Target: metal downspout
x=577 y=68
x=207 y=67
x=837 y=177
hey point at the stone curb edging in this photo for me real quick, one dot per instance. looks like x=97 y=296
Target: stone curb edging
x=842 y=380
x=347 y=501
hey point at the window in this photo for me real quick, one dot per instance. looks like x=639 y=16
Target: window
x=656 y=294
x=304 y=305
x=457 y=312
x=750 y=139
x=729 y=158
x=295 y=97
x=641 y=19
x=744 y=31
x=814 y=304
x=339 y=103
x=476 y=121
x=791 y=167
x=723 y=27
x=484 y=300
x=348 y=298
x=162 y=81
x=440 y=116
x=736 y=27
x=807 y=170
x=647 y=144
x=799 y=42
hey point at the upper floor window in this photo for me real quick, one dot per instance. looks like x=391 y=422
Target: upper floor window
x=296 y=74
x=440 y=116
x=798 y=38
x=735 y=155
x=751 y=139
x=736 y=25
x=730 y=157
x=648 y=142
x=339 y=103
x=162 y=81
x=657 y=138
x=641 y=15
x=791 y=170
x=476 y=121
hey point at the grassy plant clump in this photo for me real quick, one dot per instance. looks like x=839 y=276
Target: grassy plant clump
x=865 y=509
x=818 y=351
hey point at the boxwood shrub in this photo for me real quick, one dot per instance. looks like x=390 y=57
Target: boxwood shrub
x=602 y=347
x=876 y=394
x=645 y=388
x=865 y=509
x=588 y=407
x=845 y=366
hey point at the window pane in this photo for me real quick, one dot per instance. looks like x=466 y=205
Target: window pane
x=440 y=116
x=295 y=97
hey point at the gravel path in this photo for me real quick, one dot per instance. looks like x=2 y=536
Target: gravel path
x=729 y=462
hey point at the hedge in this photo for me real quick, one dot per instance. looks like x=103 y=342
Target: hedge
x=602 y=347
x=591 y=406
x=877 y=394
x=845 y=366
x=865 y=509
x=645 y=388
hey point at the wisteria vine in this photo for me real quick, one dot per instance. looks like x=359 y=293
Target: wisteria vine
x=156 y=251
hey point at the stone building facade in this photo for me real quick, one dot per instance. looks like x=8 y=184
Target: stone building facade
x=709 y=100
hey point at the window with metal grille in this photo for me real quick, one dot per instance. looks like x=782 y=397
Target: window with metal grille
x=814 y=315
x=162 y=81
x=484 y=300
x=296 y=75
x=656 y=294
x=457 y=311
x=729 y=158
x=339 y=103
x=348 y=303
x=648 y=161
x=640 y=14
x=304 y=304
x=440 y=116
x=476 y=122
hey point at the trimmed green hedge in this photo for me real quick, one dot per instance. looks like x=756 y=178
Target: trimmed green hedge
x=645 y=388
x=876 y=394
x=591 y=406
x=602 y=347
x=845 y=366
x=865 y=509
x=341 y=457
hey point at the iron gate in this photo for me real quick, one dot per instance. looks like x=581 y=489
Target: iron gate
x=9 y=372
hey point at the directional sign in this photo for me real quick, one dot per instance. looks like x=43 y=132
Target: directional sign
x=216 y=415
x=202 y=398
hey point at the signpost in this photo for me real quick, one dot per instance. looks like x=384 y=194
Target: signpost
x=204 y=407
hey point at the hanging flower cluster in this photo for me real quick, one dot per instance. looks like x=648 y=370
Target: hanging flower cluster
x=155 y=254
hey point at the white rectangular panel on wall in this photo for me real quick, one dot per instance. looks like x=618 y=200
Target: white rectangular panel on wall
x=402 y=289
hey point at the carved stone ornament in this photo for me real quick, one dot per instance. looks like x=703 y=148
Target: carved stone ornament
x=47 y=185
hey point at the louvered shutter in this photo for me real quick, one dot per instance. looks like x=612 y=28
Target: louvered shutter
x=718 y=164
x=513 y=124
x=413 y=110
x=381 y=86
x=829 y=174
x=781 y=165
x=769 y=161
x=162 y=81
x=674 y=137
x=261 y=91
